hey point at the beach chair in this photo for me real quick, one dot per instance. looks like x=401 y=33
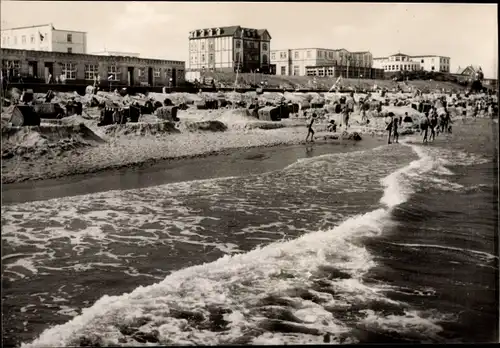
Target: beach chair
x=24 y=115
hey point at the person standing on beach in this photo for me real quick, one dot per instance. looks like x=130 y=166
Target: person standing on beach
x=310 y=131
x=424 y=126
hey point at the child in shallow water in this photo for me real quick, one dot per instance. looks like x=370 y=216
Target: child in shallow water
x=310 y=131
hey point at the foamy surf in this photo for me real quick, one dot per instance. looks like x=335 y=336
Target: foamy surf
x=298 y=291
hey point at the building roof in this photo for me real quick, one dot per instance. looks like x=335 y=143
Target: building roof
x=399 y=54
x=43 y=25
x=474 y=68
x=29 y=26
x=231 y=30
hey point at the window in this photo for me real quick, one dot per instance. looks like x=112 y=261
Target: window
x=296 y=70
x=211 y=45
x=91 y=70
x=432 y=60
x=142 y=72
x=308 y=54
x=69 y=71
x=15 y=40
x=23 y=39
x=264 y=47
x=237 y=57
x=273 y=56
x=432 y=68
x=4 y=40
x=320 y=54
x=168 y=72
x=321 y=72
x=13 y=66
x=330 y=72
x=69 y=37
x=237 y=44
x=330 y=55
x=283 y=70
x=202 y=45
x=211 y=58
x=157 y=72
x=296 y=55
x=398 y=58
x=32 y=39
x=264 y=59
x=70 y=50
x=203 y=58
x=114 y=73
x=283 y=55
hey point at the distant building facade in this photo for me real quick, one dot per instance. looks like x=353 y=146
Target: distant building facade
x=44 y=38
x=231 y=48
x=403 y=62
x=84 y=68
x=115 y=53
x=321 y=62
x=471 y=72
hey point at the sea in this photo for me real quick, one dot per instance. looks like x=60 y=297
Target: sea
x=392 y=244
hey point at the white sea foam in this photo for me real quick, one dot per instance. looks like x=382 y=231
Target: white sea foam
x=239 y=282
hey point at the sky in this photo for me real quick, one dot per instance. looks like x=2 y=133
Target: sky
x=467 y=33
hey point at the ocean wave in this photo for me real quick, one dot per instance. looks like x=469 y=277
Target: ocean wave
x=306 y=290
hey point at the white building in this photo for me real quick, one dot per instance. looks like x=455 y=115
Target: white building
x=44 y=38
x=404 y=62
x=296 y=61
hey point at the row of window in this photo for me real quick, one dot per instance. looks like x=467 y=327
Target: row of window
x=41 y=37
x=320 y=72
x=321 y=54
x=248 y=44
x=398 y=67
x=211 y=58
x=91 y=70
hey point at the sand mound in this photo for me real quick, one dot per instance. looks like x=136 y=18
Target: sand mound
x=40 y=140
x=203 y=126
x=140 y=128
x=264 y=125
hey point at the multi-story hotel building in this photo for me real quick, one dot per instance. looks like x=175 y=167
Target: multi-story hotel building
x=229 y=49
x=44 y=38
x=404 y=62
x=78 y=68
x=319 y=61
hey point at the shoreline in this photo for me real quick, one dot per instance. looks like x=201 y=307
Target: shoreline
x=127 y=153
x=239 y=162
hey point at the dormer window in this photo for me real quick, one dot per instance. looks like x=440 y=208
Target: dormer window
x=210 y=32
x=218 y=31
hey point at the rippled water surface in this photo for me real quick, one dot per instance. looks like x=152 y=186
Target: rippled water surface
x=376 y=245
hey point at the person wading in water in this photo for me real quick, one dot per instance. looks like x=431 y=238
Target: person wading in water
x=310 y=131
x=389 y=123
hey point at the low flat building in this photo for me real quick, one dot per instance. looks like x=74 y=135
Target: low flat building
x=84 y=68
x=44 y=38
x=403 y=62
x=295 y=62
